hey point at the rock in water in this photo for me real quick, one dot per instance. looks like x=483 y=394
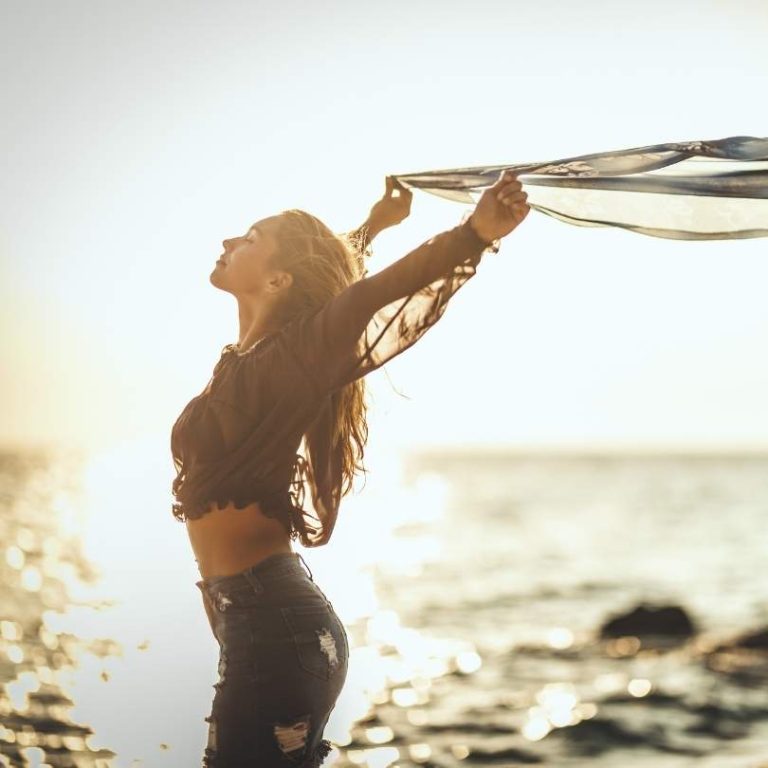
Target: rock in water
x=669 y=620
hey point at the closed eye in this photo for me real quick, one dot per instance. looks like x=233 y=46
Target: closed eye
x=254 y=228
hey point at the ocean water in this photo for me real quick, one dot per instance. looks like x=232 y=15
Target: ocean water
x=473 y=587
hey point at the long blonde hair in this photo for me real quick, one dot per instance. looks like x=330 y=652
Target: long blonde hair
x=322 y=265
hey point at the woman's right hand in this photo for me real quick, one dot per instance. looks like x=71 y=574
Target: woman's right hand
x=391 y=209
x=500 y=208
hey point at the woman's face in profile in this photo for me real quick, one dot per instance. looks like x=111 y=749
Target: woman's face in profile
x=245 y=265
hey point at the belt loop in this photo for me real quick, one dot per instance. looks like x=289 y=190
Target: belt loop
x=208 y=595
x=298 y=554
x=254 y=581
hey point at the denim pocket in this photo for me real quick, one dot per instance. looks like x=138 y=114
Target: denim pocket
x=319 y=639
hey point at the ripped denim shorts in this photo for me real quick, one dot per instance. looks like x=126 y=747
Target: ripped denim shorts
x=283 y=656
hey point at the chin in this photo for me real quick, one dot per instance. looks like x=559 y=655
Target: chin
x=215 y=281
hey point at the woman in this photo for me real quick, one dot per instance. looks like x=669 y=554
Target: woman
x=312 y=324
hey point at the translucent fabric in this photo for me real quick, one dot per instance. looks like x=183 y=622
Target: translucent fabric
x=239 y=439
x=381 y=315
x=693 y=190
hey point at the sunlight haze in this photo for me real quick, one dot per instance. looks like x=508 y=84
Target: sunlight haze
x=140 y=135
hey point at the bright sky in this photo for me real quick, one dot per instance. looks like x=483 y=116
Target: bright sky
x=138 y=135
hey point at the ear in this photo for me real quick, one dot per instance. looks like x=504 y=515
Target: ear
x=279 y=280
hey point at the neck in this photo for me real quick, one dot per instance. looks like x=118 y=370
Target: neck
x=256 y=321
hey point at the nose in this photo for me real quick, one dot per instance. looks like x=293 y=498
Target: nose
x=227 y=244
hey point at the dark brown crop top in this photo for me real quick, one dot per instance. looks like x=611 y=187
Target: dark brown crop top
x=238 y=439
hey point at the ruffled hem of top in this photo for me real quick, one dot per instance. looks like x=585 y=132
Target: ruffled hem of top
x=286 y=506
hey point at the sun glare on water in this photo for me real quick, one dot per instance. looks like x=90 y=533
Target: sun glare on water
x=143 y=609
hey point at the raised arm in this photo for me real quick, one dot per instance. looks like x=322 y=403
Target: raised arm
x=381 y=315
x=386 y=212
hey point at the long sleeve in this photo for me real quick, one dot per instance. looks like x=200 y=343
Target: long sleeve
x=381 y=315
x=239 y=440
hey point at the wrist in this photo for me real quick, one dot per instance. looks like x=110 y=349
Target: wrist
x=373 y=227
x=482 y=236
x=363 y=235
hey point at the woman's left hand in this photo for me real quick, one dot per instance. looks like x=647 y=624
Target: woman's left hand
x=391 y=209
x=500 y=209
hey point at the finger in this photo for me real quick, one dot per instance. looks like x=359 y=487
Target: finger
x=513 y=184
x=404 y=195
x=514 y=195
x=505 y=177
x=513 y=192
x=500 y=182
x=390 y=185
x=508 y=189
x=518 y=209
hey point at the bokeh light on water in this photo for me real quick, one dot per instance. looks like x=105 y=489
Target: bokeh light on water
x=471 y=593
x=128 y=593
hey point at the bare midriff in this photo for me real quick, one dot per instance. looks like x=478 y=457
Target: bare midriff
x=227 y=540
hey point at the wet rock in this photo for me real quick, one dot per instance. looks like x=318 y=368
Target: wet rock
x=593 y=737
x=590 y=738
x=726 y=731
x=756 y=640
x=474 y=728
x=742 y=658
x=502 y=756
x=645 y=619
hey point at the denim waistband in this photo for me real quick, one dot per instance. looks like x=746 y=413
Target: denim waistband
x=271 y=568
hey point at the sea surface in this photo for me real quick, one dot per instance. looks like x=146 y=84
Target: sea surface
x=473 y=586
